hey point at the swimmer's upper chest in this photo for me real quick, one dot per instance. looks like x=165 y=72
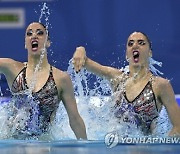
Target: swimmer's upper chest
x=134 y=89
x=38 y=80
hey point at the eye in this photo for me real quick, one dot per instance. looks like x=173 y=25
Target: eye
x=130 y=43
x=29 y=33
x=40 y=32
x=141 y=42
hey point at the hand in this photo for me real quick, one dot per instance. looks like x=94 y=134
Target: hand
x=79 y=58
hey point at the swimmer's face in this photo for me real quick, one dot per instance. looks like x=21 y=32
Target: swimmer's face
x=36 y=38
x=138 y=49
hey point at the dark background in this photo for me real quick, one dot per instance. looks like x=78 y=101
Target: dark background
x=102 y=26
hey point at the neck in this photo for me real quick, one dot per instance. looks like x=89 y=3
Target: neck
x=37 y=61
x=138 y=73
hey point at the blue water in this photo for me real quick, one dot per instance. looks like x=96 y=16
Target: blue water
x=82 y=147
x=96 y=128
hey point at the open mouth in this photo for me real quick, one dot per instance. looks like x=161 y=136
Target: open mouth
x=34 y=44
x=136 y=56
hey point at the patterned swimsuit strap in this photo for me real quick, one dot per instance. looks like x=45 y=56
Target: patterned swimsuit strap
x=25 y=64
x=151 y=79
x=51 y=71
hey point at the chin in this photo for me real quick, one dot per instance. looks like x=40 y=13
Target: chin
x=35 y=53
x=137 y=64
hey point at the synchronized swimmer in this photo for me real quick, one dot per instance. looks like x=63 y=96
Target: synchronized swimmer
x=48 y=87
x=138 y=90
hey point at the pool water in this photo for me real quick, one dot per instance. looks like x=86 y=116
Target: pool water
x=82 y=147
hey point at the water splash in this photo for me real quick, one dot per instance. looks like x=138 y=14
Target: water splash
x=45 y=11
x=152 y=68
x=97 y=110
x=18 y=120
x=94 y=109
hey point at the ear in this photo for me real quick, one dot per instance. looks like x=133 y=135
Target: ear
x=25 y=46
x=150 y=53
x=127 y=59
x=48 y=43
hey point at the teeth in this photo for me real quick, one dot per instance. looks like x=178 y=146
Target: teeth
x=135 y=53
x=34 y=43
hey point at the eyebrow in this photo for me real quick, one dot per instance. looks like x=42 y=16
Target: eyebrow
x=39 y=29
x=137 y=40
x=36 y=29
x=141 y=40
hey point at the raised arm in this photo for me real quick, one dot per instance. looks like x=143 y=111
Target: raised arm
x=10 y=68
x=81 y=60
x=167 y=97
x=67 y=95
x=4 y=64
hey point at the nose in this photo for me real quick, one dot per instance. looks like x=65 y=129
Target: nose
x=135 y=45
x=34 y=35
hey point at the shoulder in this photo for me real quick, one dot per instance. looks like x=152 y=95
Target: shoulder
x=118 y=81
x=61 y=77
x=61 y=74
x=161 y=85
x=160 y=82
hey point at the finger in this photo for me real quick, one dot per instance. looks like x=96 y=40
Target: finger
x=78 y=68
x=76 y=65
x=81 y=64
x=74 y=62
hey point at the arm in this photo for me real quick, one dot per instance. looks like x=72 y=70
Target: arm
x=80 y=59
x=10 y=68
x=69 y=101
x=4 y=64
x=167 y=97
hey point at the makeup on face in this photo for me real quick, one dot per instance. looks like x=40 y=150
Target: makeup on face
x=136 y=53
x=38 y=32
x=34 y=33
x=140 y=42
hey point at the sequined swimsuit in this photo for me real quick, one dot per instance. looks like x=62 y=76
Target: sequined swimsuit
x=47 y=98
x=144 y=106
